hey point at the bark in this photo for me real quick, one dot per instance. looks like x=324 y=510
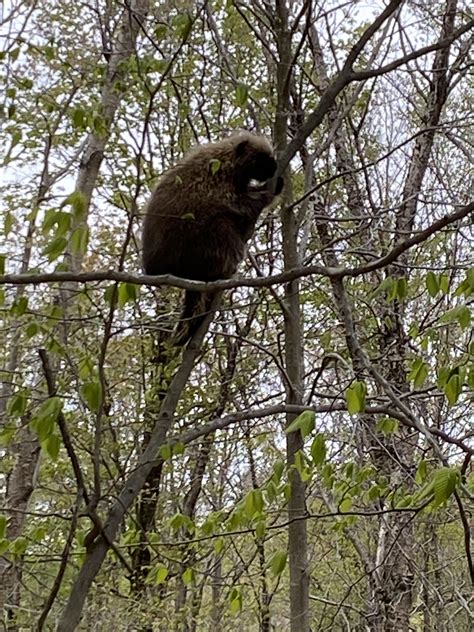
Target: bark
x=201 y=463
x=99 y=547
x=26 y=452
x=21 y=484
x=397 y=542
x=297 y=530
x=391 y=599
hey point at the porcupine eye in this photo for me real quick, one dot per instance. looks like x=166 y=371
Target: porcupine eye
x=260 y=167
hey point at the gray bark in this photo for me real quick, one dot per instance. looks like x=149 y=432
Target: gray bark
x=297 y=530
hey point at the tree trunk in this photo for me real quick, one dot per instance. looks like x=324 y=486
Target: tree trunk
x=297 y=531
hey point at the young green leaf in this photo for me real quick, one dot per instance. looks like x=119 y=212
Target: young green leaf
x=421 y=472
x=80 y=240
x=345 y=505
x=215 y=165
x=278 y=562
x=318 y=449
x=188 y=576
x=418 y=373
x=241 y=95
x=127 y=292
x=160 y=574
x=387 y=425
x=355 y=397
x=432 y=284
x=16 y=406
x=235 y=599
x=19 y=307
x=452 y=389
x=92 y=395
x=3 y=527
x=51 y=446
x=304 y=422
x=445 y=481
x=55 y=248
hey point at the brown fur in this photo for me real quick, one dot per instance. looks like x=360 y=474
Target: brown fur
x=203 y=212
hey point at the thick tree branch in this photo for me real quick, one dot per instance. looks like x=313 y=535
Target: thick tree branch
x=99 y=547
x=335 y=272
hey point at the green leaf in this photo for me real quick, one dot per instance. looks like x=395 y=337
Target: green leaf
x=355 y=397
x=241 y=95
x=63 y=221
x=78 y=202
x=39 y=534
x=16 y=406
x=345 y=505
x=253 y=502
x=218 y=545
x=51 y=446
x=235 y=599
x=92 y=395
x=127 y=292
x=26 y=83
x=215 y=164
x=7 y=223
x=46 y=417
x=464 y=316
x=79 y=118
x=160 y=574
x=55 y=248
x=19 y=307
x=278 y=562
x=80 y=240
x=178 y=448
x=304 y=422
x=421 y=472
x=318 y=449
x=260 y=529
x=3 y=527
x=19 y=546
x=387 y=425
x=432 y=284
x=178 y=520
x=183 y=24
x=32 y=330
x=402 y=288
x=50 y=407
x=444 y=283
x=278 y=469
x=445 y=480
x=44 y=427
x=418 y=373
x=188 y=576
x=461 y=314
x=271 y=491
x=452 y=389
x=166 y=452
x=160 y=31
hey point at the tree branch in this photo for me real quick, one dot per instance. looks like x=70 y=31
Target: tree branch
x=334 y=272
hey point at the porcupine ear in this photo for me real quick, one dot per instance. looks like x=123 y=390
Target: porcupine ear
x=241 y=148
